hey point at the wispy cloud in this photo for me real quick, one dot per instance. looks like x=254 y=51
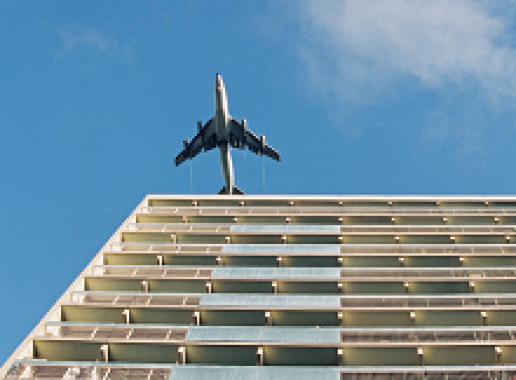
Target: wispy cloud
x=92 y=41
x=435 y=43
x=371 y=51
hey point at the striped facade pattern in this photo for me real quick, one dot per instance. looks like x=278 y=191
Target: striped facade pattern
x=326 y=287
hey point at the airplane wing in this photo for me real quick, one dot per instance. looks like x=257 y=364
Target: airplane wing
x=241 y=136
x=205 y=139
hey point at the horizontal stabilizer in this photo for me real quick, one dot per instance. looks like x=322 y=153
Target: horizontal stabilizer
x=236 y=191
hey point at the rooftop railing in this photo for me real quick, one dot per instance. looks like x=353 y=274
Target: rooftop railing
x=332 y=211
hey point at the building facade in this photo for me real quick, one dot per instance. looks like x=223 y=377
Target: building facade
x=324 y=287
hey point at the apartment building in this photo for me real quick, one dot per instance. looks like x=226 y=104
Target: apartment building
x=304 y=287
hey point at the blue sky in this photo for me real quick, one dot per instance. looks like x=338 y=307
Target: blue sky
x=359 y=97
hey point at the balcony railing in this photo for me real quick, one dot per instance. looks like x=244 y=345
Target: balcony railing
x=205 y=300
x=430 y=373
x=38 y=369
x=135 y=299
x=318 y=249
x=322 y=274
x=458 y=301
x=95 y=370
x=320 y=336
x=321 y=229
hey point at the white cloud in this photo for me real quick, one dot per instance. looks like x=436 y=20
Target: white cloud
x=75 y=39
x=359 y=48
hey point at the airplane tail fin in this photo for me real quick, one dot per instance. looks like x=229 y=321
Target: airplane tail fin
x=235 y=191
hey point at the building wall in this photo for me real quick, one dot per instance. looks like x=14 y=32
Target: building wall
x=345 y=283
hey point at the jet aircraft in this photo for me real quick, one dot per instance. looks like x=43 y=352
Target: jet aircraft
x=224 y=132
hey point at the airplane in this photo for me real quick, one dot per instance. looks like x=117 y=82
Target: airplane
x=224 y=132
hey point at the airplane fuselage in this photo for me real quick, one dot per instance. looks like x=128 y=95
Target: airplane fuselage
x=224 y=132
x=222 y=125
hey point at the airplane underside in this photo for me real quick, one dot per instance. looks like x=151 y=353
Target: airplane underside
x=227 y=171
x=224 y=132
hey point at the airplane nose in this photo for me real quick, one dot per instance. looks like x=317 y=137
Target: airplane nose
x=218 y=80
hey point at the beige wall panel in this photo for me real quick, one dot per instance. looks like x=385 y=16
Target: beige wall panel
x=177 y=286
x=373 y=288
x=300 y=356
x=368 y=239
x=495 y=286
x=111 y=284
x=377 y=318
x=220 y=286
x=121 y=259
x=131 y=237
x=200 y=239
x=482 y=239
x=308 y=287
x=92 y=314
x=67 y=351
x=170 y=202
x=232 y=318
x=508 y=355
x=189 y=260
x=462 y=355
x=489 y=261
x=255 y=239
x=158 y=219
x=309 y=262
x=258 y=261
x=438 y=261
x=388 y=356
x=448 y=318
x=438 y=287
x=313 y=239
x=372 y=261
x=501 y=318
x=304 y=318
x=222 y=355
x=143 y=353
x=162 y=317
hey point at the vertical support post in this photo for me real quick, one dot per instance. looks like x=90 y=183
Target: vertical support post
x=105 y=352
x=259 y=352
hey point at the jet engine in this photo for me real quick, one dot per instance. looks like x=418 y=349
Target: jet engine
x=262 y=142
